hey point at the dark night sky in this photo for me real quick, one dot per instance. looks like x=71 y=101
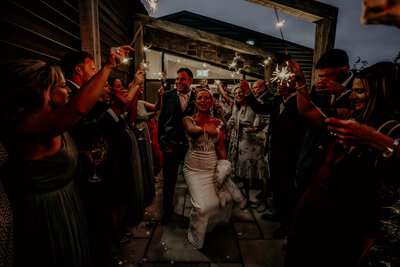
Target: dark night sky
x=370 y=42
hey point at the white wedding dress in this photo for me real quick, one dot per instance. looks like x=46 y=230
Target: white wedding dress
x=199 y=168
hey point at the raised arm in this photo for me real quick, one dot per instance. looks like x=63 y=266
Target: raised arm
x=223 y=93
x=191 y=128
x=304 y=105
x=47 y=124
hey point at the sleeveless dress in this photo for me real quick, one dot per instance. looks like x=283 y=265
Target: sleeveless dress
x=198 y=170
x=144 y=141
x=6 y=218
x=50 y=223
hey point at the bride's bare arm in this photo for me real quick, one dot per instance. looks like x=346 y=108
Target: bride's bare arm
x=191 y=128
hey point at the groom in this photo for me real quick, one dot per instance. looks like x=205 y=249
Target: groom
x=171 y=135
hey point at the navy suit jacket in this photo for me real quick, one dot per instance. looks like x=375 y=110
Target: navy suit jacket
x=170 y=123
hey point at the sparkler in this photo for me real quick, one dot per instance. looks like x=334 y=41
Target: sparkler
x=146 y=48
x=281 y=75
x=152 y=5
x=280 y=24
x=266 y=62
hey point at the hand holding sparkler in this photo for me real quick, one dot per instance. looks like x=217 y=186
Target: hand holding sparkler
x=244 y=85
x=306 y=106
x=117 y=55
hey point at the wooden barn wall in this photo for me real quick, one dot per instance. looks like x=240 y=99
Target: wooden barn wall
x=45 y=29
x=116 y=28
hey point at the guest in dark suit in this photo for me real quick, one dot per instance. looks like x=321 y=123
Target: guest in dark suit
x=171 y=135
x=330 y=92
x=78 y=68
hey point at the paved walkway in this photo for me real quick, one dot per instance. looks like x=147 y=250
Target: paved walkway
x=246 y=241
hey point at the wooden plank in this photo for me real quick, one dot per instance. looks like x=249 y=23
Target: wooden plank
x=309 y=10
x=324 y=40
x=201 y=35
x=13 y=14
x=32 y=41
x=113 y=20
x=138 y=44
x=46 y=13
x=90 y=34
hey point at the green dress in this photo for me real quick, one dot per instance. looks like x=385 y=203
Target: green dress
x=50 y=223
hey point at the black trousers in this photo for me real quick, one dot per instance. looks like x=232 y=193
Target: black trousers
x=171 y=161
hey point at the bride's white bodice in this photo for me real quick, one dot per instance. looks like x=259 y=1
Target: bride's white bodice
x=203 y=142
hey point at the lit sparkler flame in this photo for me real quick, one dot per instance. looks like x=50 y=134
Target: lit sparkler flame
x=280 y=24
x=281 y=75
x=152 y=5
x=144 y=65
x=237 y=57
x=125 y=60
x=232 y=65
x=266 y=61
x=146 y=48
x=238 y=71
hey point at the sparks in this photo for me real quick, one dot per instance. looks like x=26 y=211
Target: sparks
x=266 y=62
x=238 y=71
x=152 y=5
x=232 y=65
x=146 y=48
x=281 y=75
x=125 y=60
x=144 y=65
x=280 y=24
x=237 y=57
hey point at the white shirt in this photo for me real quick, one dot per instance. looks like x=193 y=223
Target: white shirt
x=184 y=99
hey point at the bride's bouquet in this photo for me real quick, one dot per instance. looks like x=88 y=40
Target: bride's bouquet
x=224 y=186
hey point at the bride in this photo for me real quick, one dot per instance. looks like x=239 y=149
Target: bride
x=205 y=171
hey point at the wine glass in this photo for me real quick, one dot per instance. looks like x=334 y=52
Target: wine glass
x=97 y=154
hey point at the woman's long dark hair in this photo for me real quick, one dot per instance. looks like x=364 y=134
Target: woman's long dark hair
x=382 y=81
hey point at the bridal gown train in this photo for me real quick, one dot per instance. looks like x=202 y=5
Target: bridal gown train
x=199 y=168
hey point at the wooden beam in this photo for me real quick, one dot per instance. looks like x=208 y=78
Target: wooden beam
x=90 y=34
x=138 y=44
x=324 y=40
x=201 y=35
x=309 y=10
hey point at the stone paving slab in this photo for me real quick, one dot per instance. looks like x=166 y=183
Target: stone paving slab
x=247 y=230
x=239 y=215
x=170 y=244
x=267 y=227
x=175 y=264
x=131 y=253
x=265 y=253
x=143 y=229
x=226 y=265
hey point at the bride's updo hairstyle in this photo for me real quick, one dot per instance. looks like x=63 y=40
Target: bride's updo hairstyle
x=202 y=89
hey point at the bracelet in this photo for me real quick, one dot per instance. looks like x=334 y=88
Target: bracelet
x=299 y=88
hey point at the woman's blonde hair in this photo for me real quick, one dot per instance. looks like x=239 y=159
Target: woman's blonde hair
x=26 y=85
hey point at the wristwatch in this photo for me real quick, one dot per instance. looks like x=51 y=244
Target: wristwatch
x=389 y=151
